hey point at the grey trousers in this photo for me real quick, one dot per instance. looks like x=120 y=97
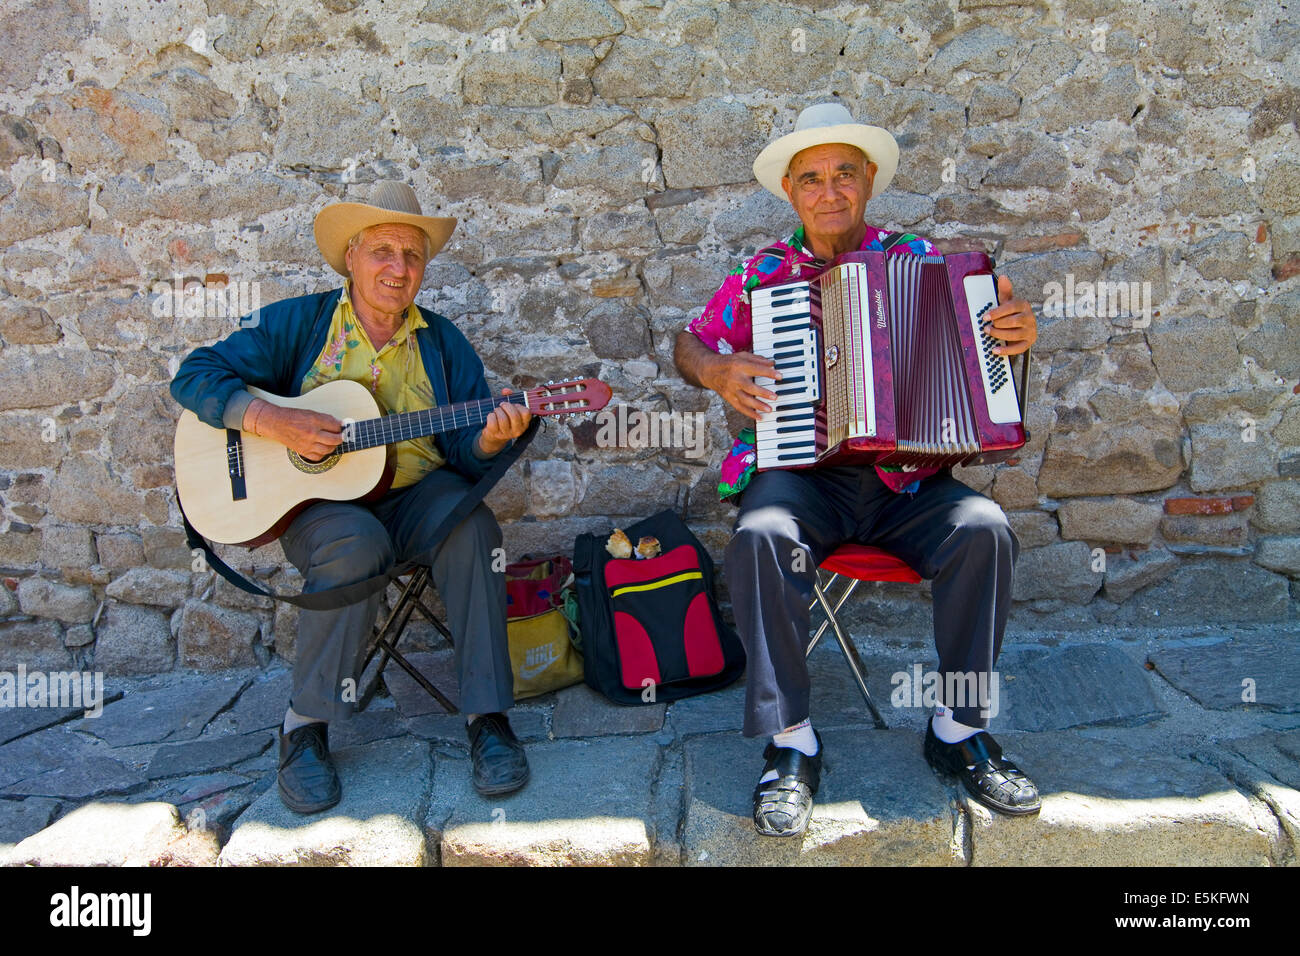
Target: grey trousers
x=948 y=533
x=336 y=543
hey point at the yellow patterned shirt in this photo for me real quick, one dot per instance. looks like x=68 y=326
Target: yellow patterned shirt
x=394 y=374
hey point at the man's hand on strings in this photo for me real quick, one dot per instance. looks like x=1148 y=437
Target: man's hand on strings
x=506 y=423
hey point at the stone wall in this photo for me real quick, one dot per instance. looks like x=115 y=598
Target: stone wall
x=598 y=156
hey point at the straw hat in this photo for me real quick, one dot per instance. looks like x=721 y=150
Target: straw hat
x=827 y=123
x=389 y=202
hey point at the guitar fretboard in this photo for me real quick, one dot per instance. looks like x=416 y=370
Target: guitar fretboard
x=404 y=426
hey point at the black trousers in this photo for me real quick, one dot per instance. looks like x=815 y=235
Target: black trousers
x=335 y=543
x=948 y=533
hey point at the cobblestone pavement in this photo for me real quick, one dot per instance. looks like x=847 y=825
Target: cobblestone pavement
x=1175 y=747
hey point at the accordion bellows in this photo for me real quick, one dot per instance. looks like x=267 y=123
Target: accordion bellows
x=884 y=360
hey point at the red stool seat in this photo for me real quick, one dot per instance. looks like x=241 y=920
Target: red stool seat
x=865 y=563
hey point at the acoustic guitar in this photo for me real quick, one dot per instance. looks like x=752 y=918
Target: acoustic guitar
x=237 y=488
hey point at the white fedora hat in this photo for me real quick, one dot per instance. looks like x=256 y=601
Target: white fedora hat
x=827 y=123
x=390 y=202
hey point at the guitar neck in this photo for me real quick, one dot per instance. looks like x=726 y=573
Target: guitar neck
x=404 y=426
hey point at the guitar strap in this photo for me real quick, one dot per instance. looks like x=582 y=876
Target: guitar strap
x=353 y=593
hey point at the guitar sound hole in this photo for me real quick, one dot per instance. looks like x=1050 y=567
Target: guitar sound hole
x=314 y=467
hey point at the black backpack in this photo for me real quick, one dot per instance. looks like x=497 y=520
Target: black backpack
x=651 y=629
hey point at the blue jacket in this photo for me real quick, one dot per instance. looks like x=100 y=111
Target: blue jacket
x=277 y=345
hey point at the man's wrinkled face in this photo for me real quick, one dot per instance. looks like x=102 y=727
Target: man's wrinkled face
x=829 y=186
x=387 y=267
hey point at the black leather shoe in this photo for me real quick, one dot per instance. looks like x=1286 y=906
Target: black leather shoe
x=499 y=762
x=998 y=784
x=307 y=778
x=782 y=806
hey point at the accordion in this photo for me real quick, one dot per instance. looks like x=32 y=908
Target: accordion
x=884 y=360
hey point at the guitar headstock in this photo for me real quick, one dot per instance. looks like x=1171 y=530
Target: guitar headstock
x=570 y=397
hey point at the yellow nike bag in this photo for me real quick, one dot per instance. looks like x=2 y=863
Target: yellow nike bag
x=542 y=651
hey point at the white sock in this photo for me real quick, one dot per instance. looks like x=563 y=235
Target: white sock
x=293 y=720
x=949 y=730
x=470 y=718
x=800 y=737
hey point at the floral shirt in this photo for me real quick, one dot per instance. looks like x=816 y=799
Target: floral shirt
x=394 y=373
x=726 y=326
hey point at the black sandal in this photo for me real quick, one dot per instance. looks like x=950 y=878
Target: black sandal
x=782 y=806
x=998 y=784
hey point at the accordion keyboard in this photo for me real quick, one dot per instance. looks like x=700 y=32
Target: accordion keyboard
x=785 y=332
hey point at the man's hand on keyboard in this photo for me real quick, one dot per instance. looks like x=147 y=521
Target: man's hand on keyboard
x=732 y=377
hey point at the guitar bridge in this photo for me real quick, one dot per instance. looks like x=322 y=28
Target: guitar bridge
x=235 y=464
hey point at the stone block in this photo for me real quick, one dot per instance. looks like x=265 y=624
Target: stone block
x=982 y=49
x=300 y=140
x=630 y=228
x=67 y=547
x=751 y=37
x=168 y=713
x=581 y=712
x=36 y=208
x=564 y=21
x=513 y=78
x=622 y=489
x=36 y=644
x=1225 y=255
x=1033 y=529
x=1115 y=805
x=213 y=638
x=1125 y=576
x=134 y=640
x=52 y=379
x=706 y=144
x=43 y=598
x=1219 y=530
x=151 y=586
x=19 y=819
x=1206 y=590
x=878 y=804
x=617 y=330
x=1193 y=352
x=1222 y=458
x=637 y=67
x=210 y=753
x=1059 y=571
x=91 y=776
x=1081 y=685
x=118 y=834
x=612 y=824
x=28 y=325
x=1277 y=507
x=385 y=787
x=551 y=487
x=880 y=51
x=1251 y=671
x=1275 y=344
x=1207 y=193
x=1108 y=520
x=87 y=491
x=1136 y=448
x=1280 y=554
